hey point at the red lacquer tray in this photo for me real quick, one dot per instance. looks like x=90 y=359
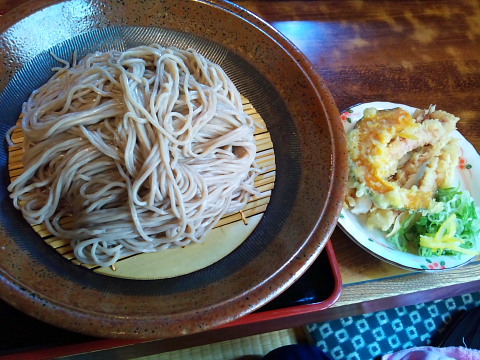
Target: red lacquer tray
x=319 y=288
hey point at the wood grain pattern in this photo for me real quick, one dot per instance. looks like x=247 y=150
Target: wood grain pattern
x=414 y=53
x=7 y=5
x=233 y=229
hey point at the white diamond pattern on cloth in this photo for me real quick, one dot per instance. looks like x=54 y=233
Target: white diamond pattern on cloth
x=371 y=335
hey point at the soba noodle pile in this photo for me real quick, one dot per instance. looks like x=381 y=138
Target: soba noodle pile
x=129 y=152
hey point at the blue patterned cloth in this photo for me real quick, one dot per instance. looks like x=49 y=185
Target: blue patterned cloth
x=366 y=337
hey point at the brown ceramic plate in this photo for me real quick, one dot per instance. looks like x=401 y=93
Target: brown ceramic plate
x=309 y=145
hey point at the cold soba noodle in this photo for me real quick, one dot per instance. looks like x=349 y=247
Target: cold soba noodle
x=129 y=152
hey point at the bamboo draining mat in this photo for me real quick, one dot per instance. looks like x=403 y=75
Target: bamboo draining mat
x=228 y=234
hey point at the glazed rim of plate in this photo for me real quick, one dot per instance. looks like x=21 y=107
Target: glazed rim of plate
x=310 y=183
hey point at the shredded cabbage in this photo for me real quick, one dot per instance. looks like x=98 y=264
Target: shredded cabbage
x=452 y=231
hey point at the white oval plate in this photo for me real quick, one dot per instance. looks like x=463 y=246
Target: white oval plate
x=374 y=241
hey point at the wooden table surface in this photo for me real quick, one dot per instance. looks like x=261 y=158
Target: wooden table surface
x=412 y=52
